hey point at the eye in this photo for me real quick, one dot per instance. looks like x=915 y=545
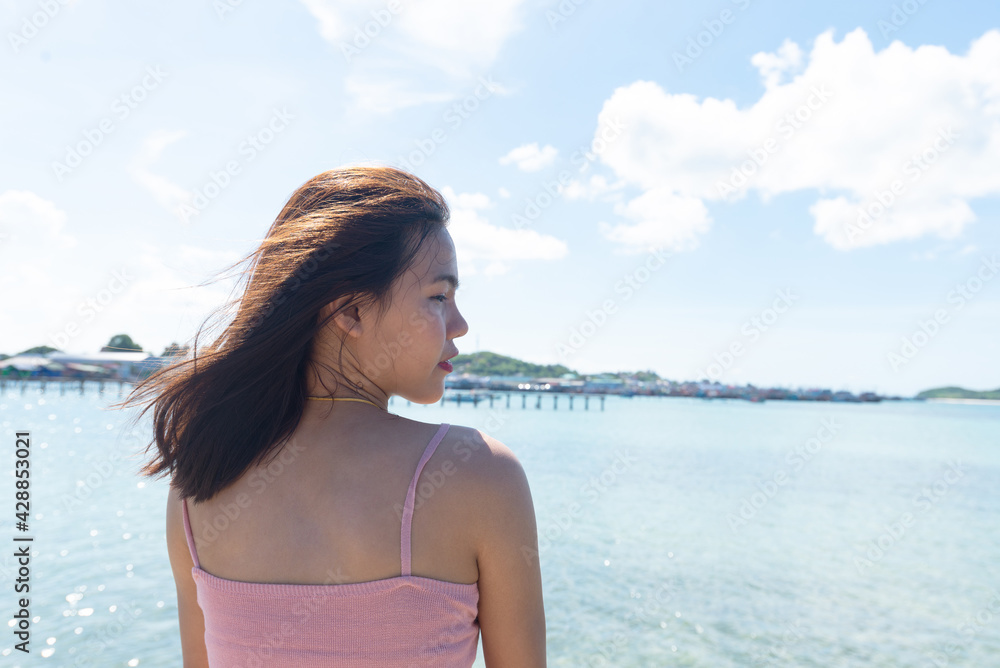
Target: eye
x=443 y=298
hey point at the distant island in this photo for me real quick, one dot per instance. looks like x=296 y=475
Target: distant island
x=492 y=364
x=958 y=393
x=124 y=360
x=488 y=371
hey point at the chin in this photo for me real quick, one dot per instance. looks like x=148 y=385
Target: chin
x=430 y=396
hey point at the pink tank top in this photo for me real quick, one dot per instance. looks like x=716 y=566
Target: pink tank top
x=402 y=621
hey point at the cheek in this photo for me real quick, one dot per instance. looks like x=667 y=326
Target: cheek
x=433 y=335
x=419 y=321
x=426 y=322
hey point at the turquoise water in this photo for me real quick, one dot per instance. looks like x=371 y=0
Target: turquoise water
x=673 y=532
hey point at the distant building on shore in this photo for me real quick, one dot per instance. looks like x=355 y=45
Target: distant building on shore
x=127 y=366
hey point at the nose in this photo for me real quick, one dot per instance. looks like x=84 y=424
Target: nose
x=457 y=326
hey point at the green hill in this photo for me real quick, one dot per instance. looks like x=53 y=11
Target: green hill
x=492 y=364
x=958 y=393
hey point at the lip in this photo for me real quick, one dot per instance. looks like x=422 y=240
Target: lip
x=446 y=366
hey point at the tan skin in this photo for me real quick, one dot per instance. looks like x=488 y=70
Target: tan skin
x=345 y=473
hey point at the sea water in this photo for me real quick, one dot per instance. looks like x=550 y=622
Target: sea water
x=672 y=531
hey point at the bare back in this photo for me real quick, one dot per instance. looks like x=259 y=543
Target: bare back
x=328 y=509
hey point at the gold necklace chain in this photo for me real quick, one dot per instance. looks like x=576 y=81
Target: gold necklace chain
x=345 y=399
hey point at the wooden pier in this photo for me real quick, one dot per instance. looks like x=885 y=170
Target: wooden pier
x=80 y=386
x=505 y=396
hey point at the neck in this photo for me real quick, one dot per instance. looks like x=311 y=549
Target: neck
x=347 y=389
x=325 y=415
x=354 y=399
x=346 y=399
x=327 y=378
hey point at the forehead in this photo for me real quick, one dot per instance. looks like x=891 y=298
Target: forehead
x=435 y=258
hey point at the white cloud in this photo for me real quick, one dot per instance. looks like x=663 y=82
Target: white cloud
x=774 y=66
x=530 y=158
x=431 y=49
x=662 y=219
x=467 y=200
x=92 y=287
x=30 y=221
x=89 y=289
x=478 y=242
x=596 y=187
x=837 y=220
x=331 y=25
x=166 y=193
x=170 y=275
x=453 y=30
x=383 y=95
x=847 y=122
x=36 y=246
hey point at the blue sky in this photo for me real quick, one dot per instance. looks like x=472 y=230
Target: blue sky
x=149 y=145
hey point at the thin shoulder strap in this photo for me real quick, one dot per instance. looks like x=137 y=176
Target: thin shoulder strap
x=404 y=537
x=190 y=536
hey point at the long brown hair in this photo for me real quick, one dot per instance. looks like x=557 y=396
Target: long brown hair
x=346 y=232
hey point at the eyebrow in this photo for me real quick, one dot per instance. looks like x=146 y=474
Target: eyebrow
x=450 y=278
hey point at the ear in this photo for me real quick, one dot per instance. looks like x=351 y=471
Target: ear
x=348 y=320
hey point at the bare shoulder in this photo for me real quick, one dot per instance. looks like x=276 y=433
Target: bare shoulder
x=489 y=477
x=175 y=518
x=189 y=613
x=177 y=544
x=511 y=609
x=484 y=459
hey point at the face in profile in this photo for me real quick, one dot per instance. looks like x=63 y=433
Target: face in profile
x=402 y=352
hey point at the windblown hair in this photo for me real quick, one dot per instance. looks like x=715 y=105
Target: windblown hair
x=346 y=232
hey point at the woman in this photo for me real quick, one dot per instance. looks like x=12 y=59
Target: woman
x=307 y=525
